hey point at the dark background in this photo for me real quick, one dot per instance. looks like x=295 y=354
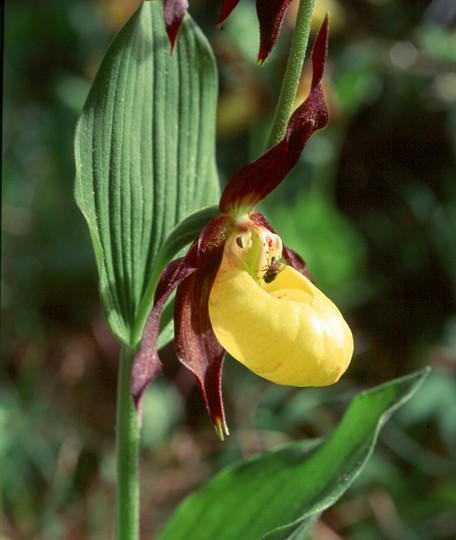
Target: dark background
x=371 y=206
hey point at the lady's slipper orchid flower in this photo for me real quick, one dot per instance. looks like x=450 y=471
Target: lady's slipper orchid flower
x=235 y=294
x=270 y=16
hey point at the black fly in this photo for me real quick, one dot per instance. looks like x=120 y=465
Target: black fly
x=272 y=271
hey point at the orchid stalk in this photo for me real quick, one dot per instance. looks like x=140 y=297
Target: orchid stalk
x=127 y=453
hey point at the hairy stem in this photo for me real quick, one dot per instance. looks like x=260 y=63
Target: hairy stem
x=293 y=71
x=127 y=454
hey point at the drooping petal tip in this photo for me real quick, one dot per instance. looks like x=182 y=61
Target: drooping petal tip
x=270 y=16
x=174 y=13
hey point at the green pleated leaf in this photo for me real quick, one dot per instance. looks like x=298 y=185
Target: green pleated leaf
x=145 y=154
x=279 y=495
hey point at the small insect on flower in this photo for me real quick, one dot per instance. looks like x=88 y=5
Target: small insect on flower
x=273 y=270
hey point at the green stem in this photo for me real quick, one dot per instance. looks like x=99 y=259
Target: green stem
x=293 y=71
x=127 y=454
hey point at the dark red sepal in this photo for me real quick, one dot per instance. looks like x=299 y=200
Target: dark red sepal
x=147 y=364
x=255 y=181
x=196 y=345
x=270 y=16
x=291 y=257
x=174 y=12
x=227 y=8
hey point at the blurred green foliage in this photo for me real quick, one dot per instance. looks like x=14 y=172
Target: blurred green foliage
x=371 y=206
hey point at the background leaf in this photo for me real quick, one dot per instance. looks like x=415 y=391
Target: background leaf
x=145 y=154
x=272 y=496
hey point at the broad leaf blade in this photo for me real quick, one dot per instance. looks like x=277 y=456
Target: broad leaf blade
x=145 y=155
x=272 y=496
